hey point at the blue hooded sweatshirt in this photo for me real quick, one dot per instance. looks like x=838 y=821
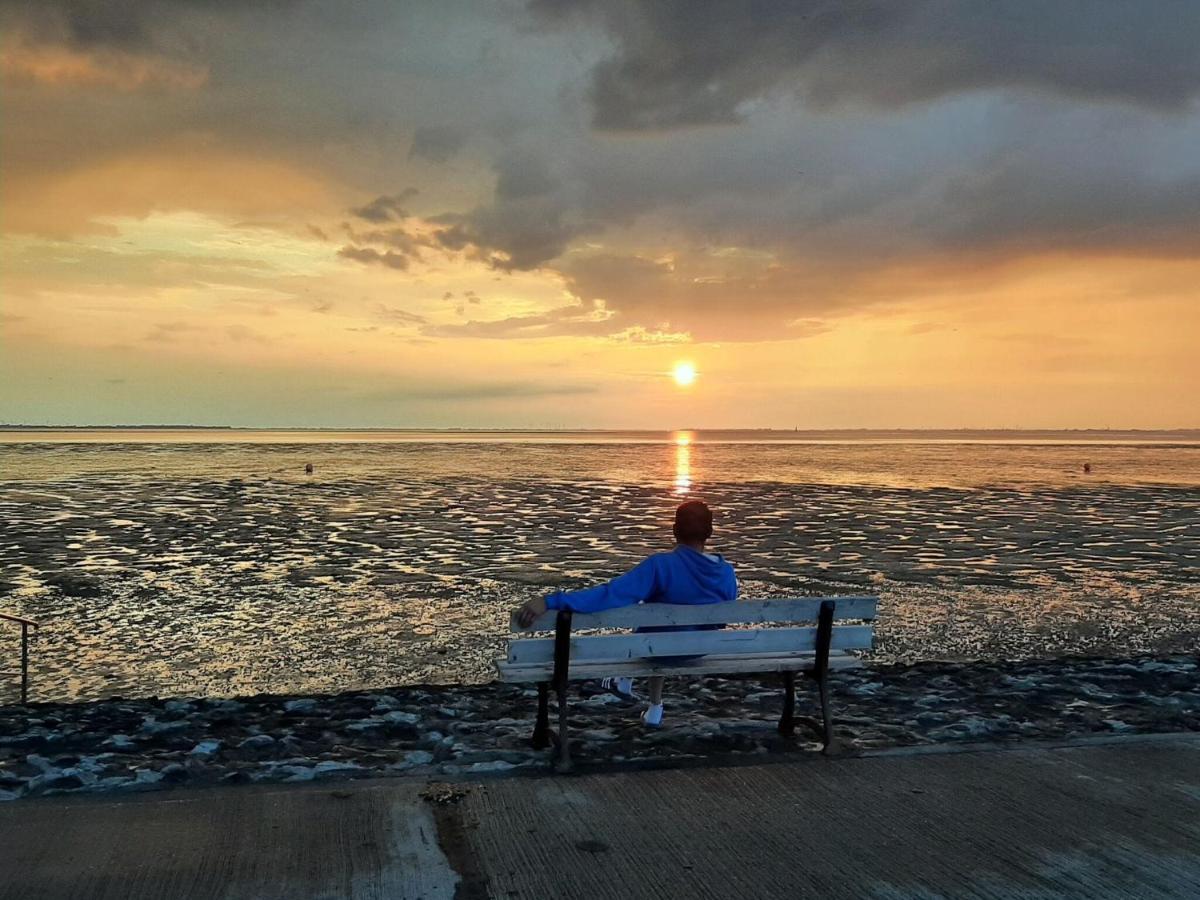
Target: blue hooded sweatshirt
x=682 y=575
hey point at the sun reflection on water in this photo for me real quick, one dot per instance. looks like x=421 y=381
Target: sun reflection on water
x=683 y=462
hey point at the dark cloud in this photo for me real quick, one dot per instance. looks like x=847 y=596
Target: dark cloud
x=388 y=208
x=436 y=143
x=178 y=30
x=680 y=63
x=531 y=219
x=370 y=255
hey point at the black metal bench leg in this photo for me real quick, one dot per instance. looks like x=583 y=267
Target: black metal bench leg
x=787 y=721
x=564 y=738
x=562 y=663
x=826 y=715
x=541 y=730
x=821 y=670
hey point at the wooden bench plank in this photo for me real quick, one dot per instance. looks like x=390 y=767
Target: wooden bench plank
x=738 y=612
x=708 y=665
x=642 y=646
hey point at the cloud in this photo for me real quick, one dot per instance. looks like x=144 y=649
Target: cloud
x=482 y=390
x=710 y=298
x=399 y=316
x=388 y=258
x=160 y=26
x=680 y=64
x=169 y=332
x=241 y=334
x=436 y=143
x=64 y=66
x=385 y=208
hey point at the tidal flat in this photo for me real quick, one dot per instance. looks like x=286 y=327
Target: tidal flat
x=154 y=582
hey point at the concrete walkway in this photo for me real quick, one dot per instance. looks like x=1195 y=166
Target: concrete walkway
x=1116 y=820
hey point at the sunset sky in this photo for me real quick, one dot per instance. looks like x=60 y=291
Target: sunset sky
x=499 y=214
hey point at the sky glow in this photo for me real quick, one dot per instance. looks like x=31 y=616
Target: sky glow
x=522 y=215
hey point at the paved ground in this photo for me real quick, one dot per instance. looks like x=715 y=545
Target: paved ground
x=1114 y=820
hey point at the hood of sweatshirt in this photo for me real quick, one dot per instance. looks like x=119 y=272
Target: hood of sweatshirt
x=712 y=575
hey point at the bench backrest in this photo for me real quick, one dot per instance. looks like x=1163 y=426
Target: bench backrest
x=727 y=642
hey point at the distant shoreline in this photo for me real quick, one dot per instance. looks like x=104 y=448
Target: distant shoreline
x=632 y=435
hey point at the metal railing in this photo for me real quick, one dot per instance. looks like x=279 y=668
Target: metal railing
x=25 y=624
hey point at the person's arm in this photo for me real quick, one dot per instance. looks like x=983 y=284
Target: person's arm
x=635 y=586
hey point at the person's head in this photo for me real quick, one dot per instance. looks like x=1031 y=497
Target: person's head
x=693 y=522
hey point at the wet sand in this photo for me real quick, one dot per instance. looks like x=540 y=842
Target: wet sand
x=201 y=586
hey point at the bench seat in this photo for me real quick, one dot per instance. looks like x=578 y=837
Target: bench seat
x=705 y=665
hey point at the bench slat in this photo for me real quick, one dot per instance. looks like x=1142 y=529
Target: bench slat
x=639 y=646
x=708 y=665
x=739 y=612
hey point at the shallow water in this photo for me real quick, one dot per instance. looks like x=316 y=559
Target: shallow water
x=182 y=568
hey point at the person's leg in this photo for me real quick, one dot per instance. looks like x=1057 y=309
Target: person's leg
x=654 y=712
x=656 y=688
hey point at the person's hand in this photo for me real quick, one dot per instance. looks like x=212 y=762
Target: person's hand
x=530 y=611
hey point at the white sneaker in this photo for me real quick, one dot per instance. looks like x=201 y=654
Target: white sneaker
x=622 y=687
x=652 y=715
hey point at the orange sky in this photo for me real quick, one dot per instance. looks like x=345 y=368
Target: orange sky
x=488 y=217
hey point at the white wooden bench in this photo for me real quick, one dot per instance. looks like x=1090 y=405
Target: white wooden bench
x=571 y=657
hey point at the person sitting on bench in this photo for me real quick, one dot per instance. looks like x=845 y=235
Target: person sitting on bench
x=687 y=575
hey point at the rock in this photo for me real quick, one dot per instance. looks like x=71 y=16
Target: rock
x=257 y=742
x=155 y=729
x=121 y=742
x=235 y=777
x=606 y=734
x=496 y=765
x=293 y=773
x=365 y=725
x=8 y=795
x=177 y=706
x=143 y=780
x=60 y=782
x=174 y=773
x=402 y=718
x=418 y=757
x=304 y=706
x=205 y=748
x=40 y=763
x=335 y=767
x=84 y=775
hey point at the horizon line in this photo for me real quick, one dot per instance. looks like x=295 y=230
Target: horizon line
x=576 y=430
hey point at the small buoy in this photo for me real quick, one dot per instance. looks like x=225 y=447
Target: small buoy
x=1087 y=467
x=308 y=470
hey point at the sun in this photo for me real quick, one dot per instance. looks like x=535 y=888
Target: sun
x=684 y=373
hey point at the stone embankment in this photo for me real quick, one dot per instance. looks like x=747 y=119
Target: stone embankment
x=147 y=744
